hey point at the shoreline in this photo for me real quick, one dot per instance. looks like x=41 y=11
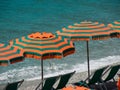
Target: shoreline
x=32 y=84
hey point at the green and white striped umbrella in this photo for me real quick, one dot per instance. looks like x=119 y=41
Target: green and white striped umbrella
x=44 y=46
x=10 y=55
x=86 y=31
x=115 y=26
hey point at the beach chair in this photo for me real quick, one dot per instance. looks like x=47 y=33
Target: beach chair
x=64 y=80
x=112 y=72
x=95 y=78
x=14 y=85
x=48 y=83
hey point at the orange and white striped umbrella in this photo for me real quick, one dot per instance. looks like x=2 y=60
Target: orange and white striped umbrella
x=86 y=31
x=44 y=46
x=10 y=55
x=115 y=26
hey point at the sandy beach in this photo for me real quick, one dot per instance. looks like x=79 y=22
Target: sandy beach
x=31 y=85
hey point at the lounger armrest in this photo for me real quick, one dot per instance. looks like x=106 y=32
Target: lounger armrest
x=94 y=72
x=109 y=67
x=20 y=83
x=81 y=83
x=39 y=85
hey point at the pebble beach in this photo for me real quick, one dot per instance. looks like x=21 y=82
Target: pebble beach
x=31 y=85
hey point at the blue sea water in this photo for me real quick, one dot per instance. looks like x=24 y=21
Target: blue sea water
x=22 y=17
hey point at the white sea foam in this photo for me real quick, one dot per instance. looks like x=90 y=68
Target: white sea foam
x=97 y=63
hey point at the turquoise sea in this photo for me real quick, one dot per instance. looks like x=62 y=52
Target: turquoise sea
x=22 y=17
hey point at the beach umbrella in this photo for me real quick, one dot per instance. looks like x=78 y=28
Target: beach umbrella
x=86 y=31
x=42 y=46
x=10 y=55
x=115 y=26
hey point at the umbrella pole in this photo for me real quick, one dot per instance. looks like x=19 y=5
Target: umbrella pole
x=87 y=44
x=42 y=72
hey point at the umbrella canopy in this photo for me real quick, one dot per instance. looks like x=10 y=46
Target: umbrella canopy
x=10 y=55
x=116 y=26
x=44 y=46
x=86 y=31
